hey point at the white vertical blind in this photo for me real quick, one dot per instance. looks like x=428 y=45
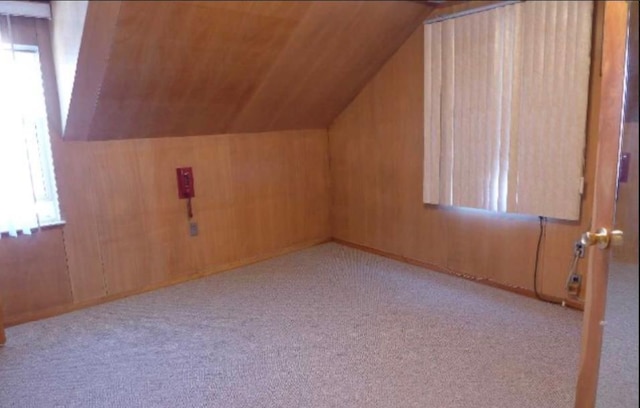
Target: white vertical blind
x=28 y=197
x=553 y=107
x=505 y=108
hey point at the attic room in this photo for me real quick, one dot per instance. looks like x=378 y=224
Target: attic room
x=319 y=204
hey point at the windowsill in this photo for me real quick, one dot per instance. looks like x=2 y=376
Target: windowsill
x=44 y=227
x=53 y=225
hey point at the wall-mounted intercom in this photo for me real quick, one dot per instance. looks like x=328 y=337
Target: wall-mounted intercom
x=186 y=188
x=185 y=182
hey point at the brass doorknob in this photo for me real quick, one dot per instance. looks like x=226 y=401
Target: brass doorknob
x=602 y=238
x=616 y=238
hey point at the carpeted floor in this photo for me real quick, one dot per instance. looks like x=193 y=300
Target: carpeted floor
x=618 y=381
x=329 y=326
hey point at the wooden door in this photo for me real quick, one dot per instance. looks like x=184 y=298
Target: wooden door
x=610 y=120
x=2 y=336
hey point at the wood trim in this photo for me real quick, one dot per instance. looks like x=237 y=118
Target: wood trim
x=97 y=39
x=611 y=105
x=447 y=271
x=46 y=227
x=58 y=310
x=3 y=337
x=465 y=8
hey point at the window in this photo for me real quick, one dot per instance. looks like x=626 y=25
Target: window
x=506 y=95
x=28 y=195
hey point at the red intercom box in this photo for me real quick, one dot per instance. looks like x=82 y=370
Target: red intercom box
x=185 y=182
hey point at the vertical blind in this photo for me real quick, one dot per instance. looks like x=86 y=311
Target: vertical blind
x=506 y=95
x=28 y=197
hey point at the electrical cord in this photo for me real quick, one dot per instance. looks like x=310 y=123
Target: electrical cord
x=535 y=267
x=541 y=235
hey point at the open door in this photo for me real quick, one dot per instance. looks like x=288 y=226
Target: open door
x=3 y=339
x=602 y=233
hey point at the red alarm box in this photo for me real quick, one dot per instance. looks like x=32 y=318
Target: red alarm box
x=185 y=182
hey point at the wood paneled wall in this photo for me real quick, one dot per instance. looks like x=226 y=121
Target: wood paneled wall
x=3 y=338
x=376 y=149
x=257 y=195
x=34 y=273
x=261 y=194
x=627 y=205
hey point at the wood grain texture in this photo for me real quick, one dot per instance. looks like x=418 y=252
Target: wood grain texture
x=633 y=96
x=520 y=291
x=33 y=273
x=627 y=207
x=97 y=39
x=126 y=230
x=440 y=3
x=193 y=68
x=79 y=234
x=557 y=240
x=37 y=314
x=3 y=337
x=255 y=193
x=610 y=114
x=68 y=19
x=376 y=150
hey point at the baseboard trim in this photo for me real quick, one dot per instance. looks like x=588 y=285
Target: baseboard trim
x=436 y=268
x=68 y=308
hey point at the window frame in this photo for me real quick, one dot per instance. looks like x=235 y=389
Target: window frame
x=48 y=206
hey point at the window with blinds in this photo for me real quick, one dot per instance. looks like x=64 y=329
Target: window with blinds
x=506 y=94
x=28 y=195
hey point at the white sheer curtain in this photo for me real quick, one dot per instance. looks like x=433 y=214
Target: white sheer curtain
x=22 y=118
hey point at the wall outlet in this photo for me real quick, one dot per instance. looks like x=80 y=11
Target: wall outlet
x=193 y=229
x=573 y=284
x=578 y=247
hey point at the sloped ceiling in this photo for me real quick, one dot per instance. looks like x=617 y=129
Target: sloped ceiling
x=154 y=69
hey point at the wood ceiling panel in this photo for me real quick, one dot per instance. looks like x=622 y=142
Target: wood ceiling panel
x=179 y=69
x=191 y=68
x=334 y=52
x=442 y=3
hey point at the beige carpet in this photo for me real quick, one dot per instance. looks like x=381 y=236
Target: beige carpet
x=329 y=326
x=618 y=381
